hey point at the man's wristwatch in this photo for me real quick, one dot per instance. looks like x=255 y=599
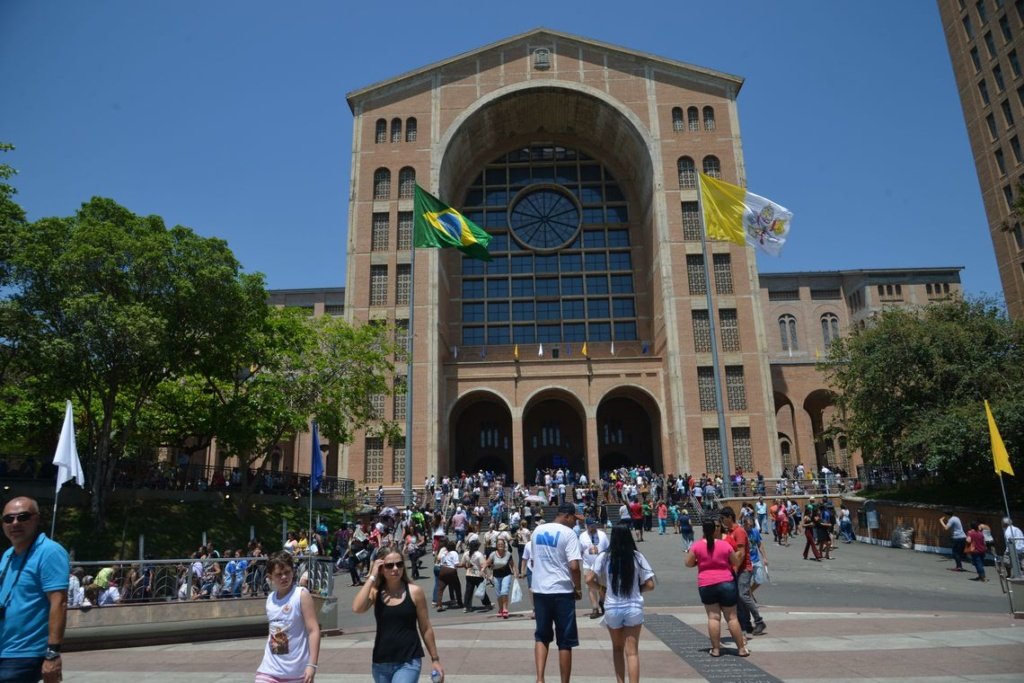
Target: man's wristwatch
x=52 y=652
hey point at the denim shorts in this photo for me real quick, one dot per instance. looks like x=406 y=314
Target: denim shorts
x=724 y=594
x=623 y=616
x=503 y=584
x=397 y=672
x=555 y=615
x=21 y=669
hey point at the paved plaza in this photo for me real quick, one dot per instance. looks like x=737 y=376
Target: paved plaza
x=871 y=614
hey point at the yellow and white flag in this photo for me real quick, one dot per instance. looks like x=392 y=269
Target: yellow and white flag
x=733 y=214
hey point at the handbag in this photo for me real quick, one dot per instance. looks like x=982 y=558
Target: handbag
x=362 y=555
x=517 y=592
x=969 y=547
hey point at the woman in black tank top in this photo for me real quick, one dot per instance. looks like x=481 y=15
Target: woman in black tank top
x=400 y=608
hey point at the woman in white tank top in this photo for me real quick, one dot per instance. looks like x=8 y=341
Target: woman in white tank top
x=293 y=646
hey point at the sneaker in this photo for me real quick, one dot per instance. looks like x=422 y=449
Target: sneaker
x=759 y=629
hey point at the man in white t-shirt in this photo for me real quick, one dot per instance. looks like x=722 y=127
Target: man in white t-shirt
x=1014 y=538
x=593 y=542
x=555 y=559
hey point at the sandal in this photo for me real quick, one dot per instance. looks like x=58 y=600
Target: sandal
x=595 y=613
x=743 y=652
x=715 y=652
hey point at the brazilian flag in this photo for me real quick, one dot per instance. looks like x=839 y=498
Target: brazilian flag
x=439 y=226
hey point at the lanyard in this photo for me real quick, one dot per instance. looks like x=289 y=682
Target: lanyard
x=3 y=575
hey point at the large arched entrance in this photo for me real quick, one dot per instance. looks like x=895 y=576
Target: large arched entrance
x=480 y=434
x=628 y=431
x=553 y=433
x=820 y=406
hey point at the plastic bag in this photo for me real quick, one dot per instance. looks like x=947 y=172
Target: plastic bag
x=480 y=591
x=516 y=593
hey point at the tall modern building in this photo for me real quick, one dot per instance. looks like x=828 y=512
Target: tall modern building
x=986 y=46
x=586 y=341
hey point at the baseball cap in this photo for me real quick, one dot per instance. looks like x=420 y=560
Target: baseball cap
x=591 y=521
x=569 y=509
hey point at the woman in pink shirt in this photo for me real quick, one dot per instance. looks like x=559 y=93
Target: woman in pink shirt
x=715 y=562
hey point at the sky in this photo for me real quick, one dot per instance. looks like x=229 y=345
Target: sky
x=230 y=117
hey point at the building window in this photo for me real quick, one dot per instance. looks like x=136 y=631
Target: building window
x=398 y=460
x=382 y=132
x=701 y=331
x=382 y=184
x=1000 y=162
x=787 y=333
x=377 y=406
x=992 y=130
x=1004 y=27
x=374 y=460
x=997 y=75
x=687 y=174
x=712 y=451
x=691 y=221
x=990 y=45
x=1008 y=197
x=829 y=328
x=410 y=129
x=786 y=449
x=334 y=309
x=735 y=389
x=398 y=399
x=729 y=327
x=742 y=453
x=709 y=118
x=404 y=230
x=783 y=295
x=396 y=130
x=402 y=333
x=722 y=264
x=982 y=13
x=693 y=119
x=677 y=119
x=983 y=91
x=1019 y=6
x=407 y=183
x=1007 y=114
x=379 y=232
x=1014 y=63
x=378 y=285
x=832 y=294
x=712 y=167
x=975 y=59
x=695 y=274
x=403 y=283
x=1018 y=237
x=706 y=388
x=968 y=28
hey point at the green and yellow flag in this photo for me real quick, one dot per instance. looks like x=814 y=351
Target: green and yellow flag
x=439 y=226
x=1000 y=458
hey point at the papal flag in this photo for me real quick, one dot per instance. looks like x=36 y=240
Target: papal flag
x=1000 y=458
x=733 y=214
x=439 y=226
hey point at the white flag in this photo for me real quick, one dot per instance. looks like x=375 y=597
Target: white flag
x=613 y=348
x=540 y=349
x=66 y=459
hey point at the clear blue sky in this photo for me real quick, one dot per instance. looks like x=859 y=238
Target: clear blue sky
x=230 y=117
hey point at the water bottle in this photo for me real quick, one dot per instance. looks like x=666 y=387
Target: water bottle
x=435 y=676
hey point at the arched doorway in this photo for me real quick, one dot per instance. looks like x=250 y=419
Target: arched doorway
x=553 y=434
x=820 y=407
x=480 y=434
x=628 y=429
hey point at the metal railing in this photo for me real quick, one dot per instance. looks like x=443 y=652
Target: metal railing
x=156 y=581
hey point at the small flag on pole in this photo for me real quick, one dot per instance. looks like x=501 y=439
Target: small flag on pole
x=1000 y=458
x=316 y=468
x=66 y=458
x=515 y=352
x=645 y=347
x=540 y=349
x=584 y=350
x=613 y=348
x=735 y=215
x=439 y=226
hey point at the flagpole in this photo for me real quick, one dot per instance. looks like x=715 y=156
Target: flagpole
x=53 y=522
x=719 y=407
x=408 y=376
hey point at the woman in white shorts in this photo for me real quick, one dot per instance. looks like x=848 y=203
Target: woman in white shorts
x=626 y=575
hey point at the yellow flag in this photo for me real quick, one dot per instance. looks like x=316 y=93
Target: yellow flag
x=585 y=350
x=515 y=352
x=1000 y=458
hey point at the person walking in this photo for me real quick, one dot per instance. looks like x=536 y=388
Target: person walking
x=34 y=579
x=739 y=540
x=809 y=523
x=625 y=575
x=716 y=561
x=503 y=568
x=400 y=610
x=975 y=549
x=955 y=527
x=593 y=542
x=293 y=646
x=686 y=529
x=449 y=576
x=662 y=517
x=475 y=563
x=555 y=561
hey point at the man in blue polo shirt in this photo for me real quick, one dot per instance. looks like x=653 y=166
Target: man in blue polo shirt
x=33 y=598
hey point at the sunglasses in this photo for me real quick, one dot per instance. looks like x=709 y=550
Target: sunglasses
x=392 y=565
x=19 y=517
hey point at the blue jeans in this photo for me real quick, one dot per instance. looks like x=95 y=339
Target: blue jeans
x=397 y=672
x=21 y=669
x=978 y=559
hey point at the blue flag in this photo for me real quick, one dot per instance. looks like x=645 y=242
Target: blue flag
x=316 y=468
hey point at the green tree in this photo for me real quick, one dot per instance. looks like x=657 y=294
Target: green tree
x=910 y=387
x=104 y=306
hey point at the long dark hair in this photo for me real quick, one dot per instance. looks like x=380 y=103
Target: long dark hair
x=709 y=527
x=622 y=561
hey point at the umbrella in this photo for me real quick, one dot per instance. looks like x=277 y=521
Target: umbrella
x=536 y=499
x=388 y=512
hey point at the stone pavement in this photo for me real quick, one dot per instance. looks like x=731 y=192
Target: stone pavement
x=872 y=614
